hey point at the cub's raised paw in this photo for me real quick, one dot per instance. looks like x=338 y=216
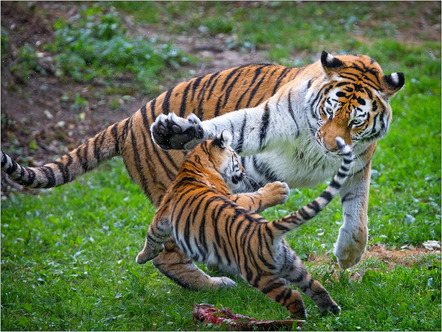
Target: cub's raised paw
x=176 y=133
x=275 y=193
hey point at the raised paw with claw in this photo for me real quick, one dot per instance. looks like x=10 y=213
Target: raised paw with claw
x=171 y=132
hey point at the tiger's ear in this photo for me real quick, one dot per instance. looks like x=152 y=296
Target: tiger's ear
x=330 y=64
x=392 y=83
x=223 y=140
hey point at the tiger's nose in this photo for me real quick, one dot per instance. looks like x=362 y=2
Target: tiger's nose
x=330 y=144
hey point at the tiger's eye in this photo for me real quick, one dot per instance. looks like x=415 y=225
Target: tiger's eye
x=329 y=112
x=355 y=122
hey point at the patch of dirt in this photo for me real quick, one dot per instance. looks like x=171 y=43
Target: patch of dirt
x=38 y=119
x=405 y=256
x=211 y=51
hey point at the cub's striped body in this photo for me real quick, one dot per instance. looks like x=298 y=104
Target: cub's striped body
x=210 y=225
x=271 y=94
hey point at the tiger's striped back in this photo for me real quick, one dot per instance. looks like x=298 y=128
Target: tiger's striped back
x=152 y=168
x=208 y=96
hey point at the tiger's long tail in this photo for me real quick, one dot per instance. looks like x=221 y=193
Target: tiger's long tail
x=281 y=226
x=86 y=157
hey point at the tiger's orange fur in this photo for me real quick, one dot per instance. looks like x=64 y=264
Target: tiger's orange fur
x=152 y=168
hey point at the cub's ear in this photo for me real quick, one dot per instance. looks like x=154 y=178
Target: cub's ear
x=392 y=83
x=223 y=140
x=330 y=64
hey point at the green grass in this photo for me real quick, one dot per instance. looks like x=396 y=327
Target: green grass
x=68 y=254
x=74 y=269
x=287 y=29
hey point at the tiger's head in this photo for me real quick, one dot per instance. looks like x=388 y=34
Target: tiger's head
x=353 y=100
x=215 y=160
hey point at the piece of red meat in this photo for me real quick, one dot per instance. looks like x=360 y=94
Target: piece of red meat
x=208 y=313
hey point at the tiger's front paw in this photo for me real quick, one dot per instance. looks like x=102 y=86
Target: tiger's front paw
x=274 y=193
x=350 y=245
x=348 y=256
x=176 y=133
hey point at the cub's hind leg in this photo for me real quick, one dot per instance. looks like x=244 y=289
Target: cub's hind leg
x=298 y=276
x=177 y=266
x=171 y=261
x=276 y=288
x=158 y=233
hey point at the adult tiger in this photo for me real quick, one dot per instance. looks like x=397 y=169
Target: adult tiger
x=324 y=99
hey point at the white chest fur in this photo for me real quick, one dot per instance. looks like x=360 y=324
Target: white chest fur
x=297 y=164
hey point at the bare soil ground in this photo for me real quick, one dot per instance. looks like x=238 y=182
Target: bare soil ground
x=405 y=256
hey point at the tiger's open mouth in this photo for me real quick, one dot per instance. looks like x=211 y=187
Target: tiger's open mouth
x=324 y=150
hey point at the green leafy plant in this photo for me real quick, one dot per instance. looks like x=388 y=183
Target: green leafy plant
x=95 y=45
x=25 y=63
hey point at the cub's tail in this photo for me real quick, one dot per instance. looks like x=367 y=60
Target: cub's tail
x=87 y=156
x=281 y=226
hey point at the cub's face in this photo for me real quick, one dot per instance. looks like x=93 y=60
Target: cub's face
x=226 y=160
x=353 y=102
x=232 y=171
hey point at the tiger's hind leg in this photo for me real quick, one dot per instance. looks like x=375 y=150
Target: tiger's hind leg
x=177 y=266
x=298 y=276
x=276 y=288
x=158 y=233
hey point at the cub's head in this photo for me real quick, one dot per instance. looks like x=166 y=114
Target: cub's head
x=352 y=100
x=225 y=160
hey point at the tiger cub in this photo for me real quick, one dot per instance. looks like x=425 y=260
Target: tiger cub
x=213 y=226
